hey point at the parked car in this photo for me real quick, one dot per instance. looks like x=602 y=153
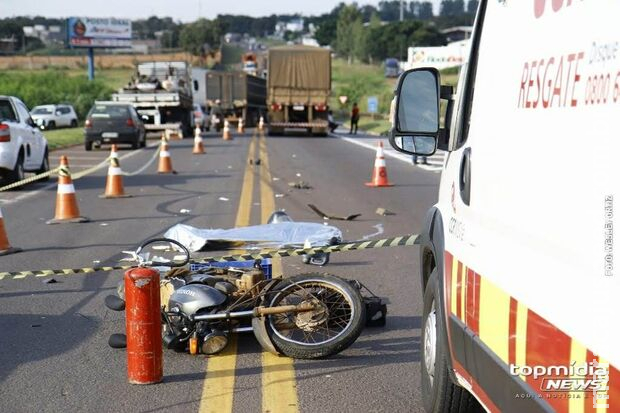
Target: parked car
x=54 y=116
x=112 y=122
x=200 y=118
x=23 y=148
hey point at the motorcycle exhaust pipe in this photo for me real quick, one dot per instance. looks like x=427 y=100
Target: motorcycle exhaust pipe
x=257 y=312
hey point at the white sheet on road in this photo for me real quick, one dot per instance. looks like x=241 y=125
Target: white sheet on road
x=280 y=235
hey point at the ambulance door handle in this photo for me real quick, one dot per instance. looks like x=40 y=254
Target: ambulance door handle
x=465 y=176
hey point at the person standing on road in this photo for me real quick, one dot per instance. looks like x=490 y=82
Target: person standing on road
x=355 y=117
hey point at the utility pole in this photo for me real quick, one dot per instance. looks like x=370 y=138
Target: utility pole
x=402 y=10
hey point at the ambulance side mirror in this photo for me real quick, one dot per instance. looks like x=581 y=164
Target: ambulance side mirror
x=415 y=112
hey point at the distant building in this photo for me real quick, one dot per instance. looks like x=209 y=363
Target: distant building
x=8 y=45
x=295 y=25
x=47 y=34
x=457 y=33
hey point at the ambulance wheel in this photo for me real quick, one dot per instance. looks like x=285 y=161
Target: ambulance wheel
x=439 y=393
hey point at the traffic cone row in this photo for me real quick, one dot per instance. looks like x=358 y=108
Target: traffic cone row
x=67 y=210
x=379 y=173
x=198 y=146
x=240 y=126
x=165 y=162
x=114 y=184
x=227 y=136
x=5 y=246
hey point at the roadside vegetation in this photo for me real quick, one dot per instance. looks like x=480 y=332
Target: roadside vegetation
x=60 y=138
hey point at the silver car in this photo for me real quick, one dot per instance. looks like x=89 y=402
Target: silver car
x=54 y=116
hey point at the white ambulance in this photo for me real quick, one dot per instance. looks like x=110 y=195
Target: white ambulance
x=519 y=268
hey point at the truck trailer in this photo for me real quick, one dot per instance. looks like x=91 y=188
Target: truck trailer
x=235 y=95
x=299 y=84
x=161 y=93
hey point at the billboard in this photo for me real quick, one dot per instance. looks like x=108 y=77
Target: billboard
x=98 y=32
x=441 y=57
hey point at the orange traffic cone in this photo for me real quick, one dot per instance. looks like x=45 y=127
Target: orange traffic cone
x=240 y=126
x=165 y=162
x=227 y=136
x=199 y=148
x=5 y=247
x=66 y=202
x=114 y=184
x=379 y=173
x=261 y=123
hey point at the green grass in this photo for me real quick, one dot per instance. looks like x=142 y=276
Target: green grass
x=358 y=82
x=60 y=138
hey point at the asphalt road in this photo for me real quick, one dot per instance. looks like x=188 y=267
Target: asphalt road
x=54 y=354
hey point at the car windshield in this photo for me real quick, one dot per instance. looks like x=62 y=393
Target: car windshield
x=42 y=110
x=6 y=111
x=109 y=111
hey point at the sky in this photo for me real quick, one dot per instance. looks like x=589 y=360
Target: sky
x=184 y=10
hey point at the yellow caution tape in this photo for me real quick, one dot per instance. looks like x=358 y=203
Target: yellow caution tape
x=405 y=240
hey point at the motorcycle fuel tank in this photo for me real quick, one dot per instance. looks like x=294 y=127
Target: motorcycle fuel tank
x=191 y=298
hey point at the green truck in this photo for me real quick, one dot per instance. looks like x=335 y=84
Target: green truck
x=298 y=88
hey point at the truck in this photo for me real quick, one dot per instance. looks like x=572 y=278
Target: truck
x=161 y=93
x=516 y=261
x=299 y=85
x=234 y=95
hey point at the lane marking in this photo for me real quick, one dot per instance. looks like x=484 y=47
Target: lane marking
x=219 y=384
x=279 y=386
x=30 y=194
x=434 y=165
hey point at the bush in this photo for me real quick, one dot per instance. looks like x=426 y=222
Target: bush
x=54 y=86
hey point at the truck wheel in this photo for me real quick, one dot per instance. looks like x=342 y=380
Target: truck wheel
x=439 y=393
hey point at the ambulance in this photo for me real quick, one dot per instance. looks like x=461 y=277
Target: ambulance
x=520 y=271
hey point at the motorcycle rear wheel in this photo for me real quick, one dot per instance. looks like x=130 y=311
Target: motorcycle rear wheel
x=320 y=333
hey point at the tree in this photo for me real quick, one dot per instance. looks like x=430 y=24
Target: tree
x=345 y=40
x=425 y=10
x=326 y=32
x=194 y=37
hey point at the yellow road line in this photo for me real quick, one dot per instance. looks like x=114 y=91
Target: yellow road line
x=279 y=384
x=219 y=385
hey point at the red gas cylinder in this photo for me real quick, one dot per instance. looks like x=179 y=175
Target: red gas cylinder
x=143 y=326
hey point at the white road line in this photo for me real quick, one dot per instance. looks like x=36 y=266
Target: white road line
x=49 y=186
x=433 y=167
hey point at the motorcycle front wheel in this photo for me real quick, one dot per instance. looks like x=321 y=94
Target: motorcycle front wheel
x=333 y=326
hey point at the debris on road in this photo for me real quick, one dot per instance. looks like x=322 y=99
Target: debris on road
x=280 y=195
x=104 y=224
x=185 y=211
x=275 y=179
x=384 y=212
x=300 y=185
x=223 y=198
x=50 y=281
x=327 y=216
x=255 y=161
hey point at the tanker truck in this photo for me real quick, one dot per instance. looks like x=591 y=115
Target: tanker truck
x=299 y=84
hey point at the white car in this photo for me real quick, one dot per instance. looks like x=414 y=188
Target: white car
x=23 y=148
x=54 y=116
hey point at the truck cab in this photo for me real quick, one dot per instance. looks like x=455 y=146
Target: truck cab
x=517 y=257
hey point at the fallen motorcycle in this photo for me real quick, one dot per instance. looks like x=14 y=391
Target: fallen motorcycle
x=306 y=316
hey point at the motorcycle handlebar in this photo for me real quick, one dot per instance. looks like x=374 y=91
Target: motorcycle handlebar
x=165 y=264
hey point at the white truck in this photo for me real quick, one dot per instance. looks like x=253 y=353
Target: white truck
x=23 y=148
x=161 y=93
x=521 y=294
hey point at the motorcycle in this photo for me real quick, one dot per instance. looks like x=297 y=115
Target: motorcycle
x=307 y=316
